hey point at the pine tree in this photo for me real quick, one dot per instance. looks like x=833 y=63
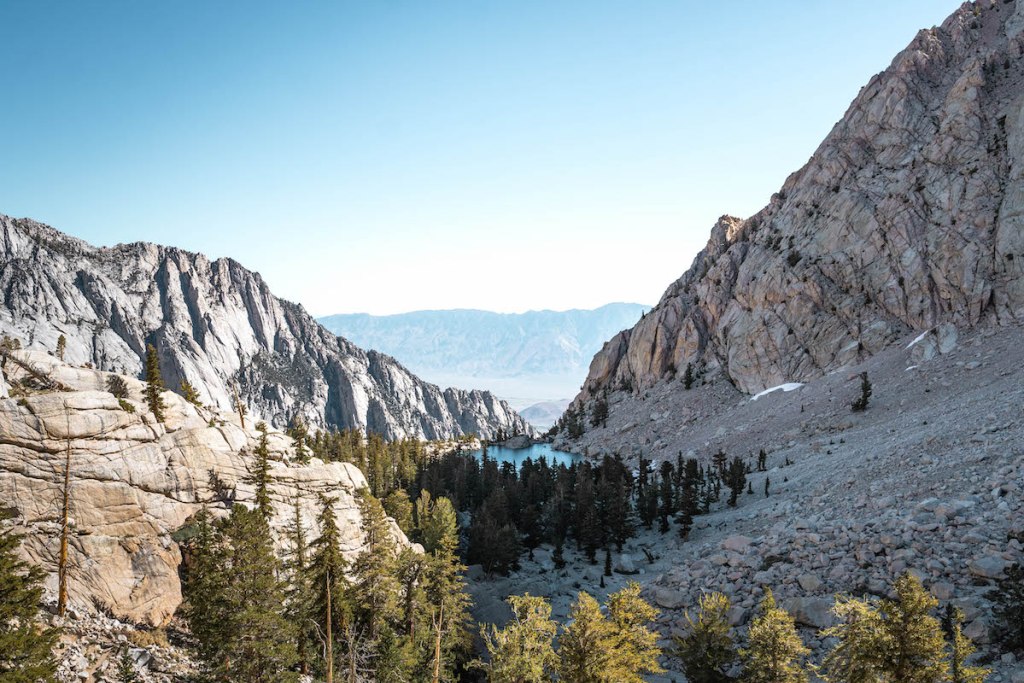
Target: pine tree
x=599 y=416
x=260 y=476
x=558 y=556
x=189 y=393
x=26 y=649
x=719 y=460
x=707 y=650
x=154 y=384
x=861 y=403
x=607 y=562
x=300 y=434
x=666 y=496
x=633 y=646
x=774 y=651
x=399 y=508
x=441 y=525
x=126 y=672
x=735 y=479
x=688 y=377
x=375 y=569
x=298 y=589
x=328 y=608
x=62 y=344
x=237 y=603
x=960 y=649
x=1008 y=602
x=583 y=651
x=898 y=639
x=445 y=590
x=522 y=651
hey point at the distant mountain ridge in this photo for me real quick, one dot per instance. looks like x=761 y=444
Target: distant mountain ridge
x=219 y=326
x=487 y=345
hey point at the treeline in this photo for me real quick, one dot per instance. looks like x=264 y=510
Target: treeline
x=596 y=506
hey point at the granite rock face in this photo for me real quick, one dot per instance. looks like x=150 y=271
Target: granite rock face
x=217 y=324
x=910 y=215
x=135 y=482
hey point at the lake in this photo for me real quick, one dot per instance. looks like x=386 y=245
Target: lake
x=535 y=452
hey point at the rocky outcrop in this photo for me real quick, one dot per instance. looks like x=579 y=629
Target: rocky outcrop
x=216 y=324
x=909 y=215
x=136 y=482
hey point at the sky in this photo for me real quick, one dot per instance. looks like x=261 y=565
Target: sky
x=393 y=156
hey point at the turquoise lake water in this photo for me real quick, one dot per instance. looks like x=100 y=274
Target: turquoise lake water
x=534 y=452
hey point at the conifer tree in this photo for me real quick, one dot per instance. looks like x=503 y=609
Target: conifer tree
x=299 y=590
x=154 y=384
x=441 y=525
x=633 y=646
x=260 y=476
x=237 y=603
x=300 y=434
x=599 y=416
x=666 y=497
x=189 y=393
x=960 y=648
x=375 y=570
x=897 y=639
x=861 y=403
x=707 y=649
x=329 y=611
x=1008 y=601
x=62 y=344
x=522 y=651
x=735 y=479
x=775 y=653
x=719 y=460
x=26 y=648
x=688 y=377
x=445 y=590
x=583 y=651
x=126 y=672
x=398 y=507
x=607 y=562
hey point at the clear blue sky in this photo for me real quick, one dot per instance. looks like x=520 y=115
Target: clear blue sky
x=392 y=156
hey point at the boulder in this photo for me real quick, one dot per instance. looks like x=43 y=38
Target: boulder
x=669 y=598
x=737 y=543
x=988 y=566
x=815 y=612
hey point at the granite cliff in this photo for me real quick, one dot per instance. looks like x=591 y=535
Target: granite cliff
x=217 y=325
x=909 y=215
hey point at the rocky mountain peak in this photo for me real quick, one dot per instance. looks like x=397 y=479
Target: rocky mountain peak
x=217 y=325
x=910 y=214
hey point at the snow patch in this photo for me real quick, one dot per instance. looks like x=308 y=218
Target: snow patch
x=788 y=386
x=920 y=337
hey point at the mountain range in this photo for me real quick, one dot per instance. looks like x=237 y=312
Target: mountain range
x=217 y=325
x=525 y=357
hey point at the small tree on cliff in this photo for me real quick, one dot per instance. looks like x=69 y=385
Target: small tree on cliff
x=189 y=393
x=62 y=345
x=154 y=384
